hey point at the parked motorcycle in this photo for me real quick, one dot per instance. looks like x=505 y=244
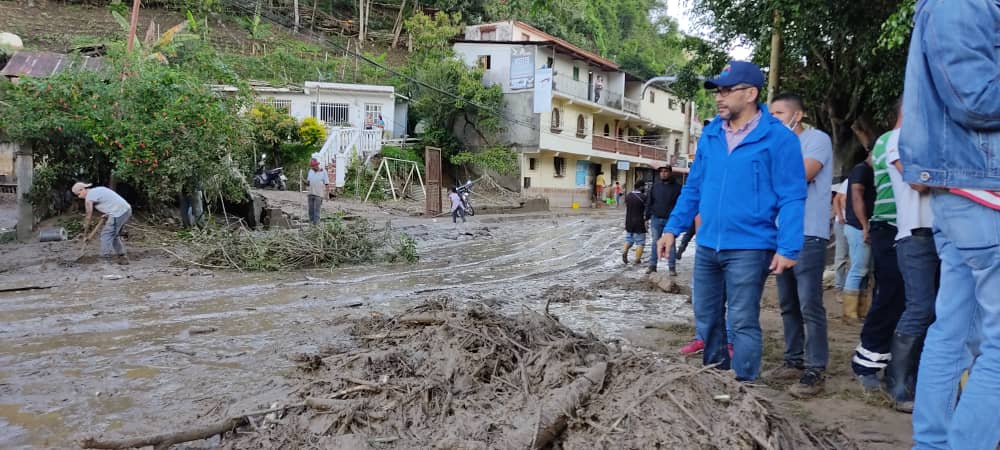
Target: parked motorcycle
x=269 y=178
x=463 y=193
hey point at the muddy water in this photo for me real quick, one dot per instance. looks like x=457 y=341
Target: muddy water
x=139 y=355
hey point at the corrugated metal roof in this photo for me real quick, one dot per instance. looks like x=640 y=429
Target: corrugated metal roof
x=45 y=64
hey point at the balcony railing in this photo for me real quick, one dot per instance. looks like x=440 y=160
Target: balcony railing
x=631 y=106
x=622 y=147
x=584 y=91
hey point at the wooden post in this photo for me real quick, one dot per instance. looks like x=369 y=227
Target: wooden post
x=686 y=134
x=775 y=64
x=133 y=23
x=24 y=169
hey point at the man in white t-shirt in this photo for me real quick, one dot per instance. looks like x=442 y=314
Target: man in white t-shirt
x=919 y=265
x=318 y=181
x=116 y=211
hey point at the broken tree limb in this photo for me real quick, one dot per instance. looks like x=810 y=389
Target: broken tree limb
x=653 y=392
x=165 y=440
x=540 y=428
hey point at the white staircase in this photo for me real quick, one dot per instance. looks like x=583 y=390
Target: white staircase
x=341 y=142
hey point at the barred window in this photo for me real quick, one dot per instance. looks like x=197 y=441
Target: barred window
x=279 y=105
x=331 y=113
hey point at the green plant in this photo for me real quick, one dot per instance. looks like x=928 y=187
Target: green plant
x=312 y=133
x=501 y=160
x=406 y=154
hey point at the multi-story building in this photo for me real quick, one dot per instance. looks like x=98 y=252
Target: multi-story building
x=600 y=120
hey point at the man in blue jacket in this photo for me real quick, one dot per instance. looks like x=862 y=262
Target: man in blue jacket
x=950 y=140
x=749 y=185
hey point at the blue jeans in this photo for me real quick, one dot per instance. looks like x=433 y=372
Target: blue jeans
x=800 y=295
x=918 y=263
x=315 y=203
x=656 y=225
x=111 y=241
x=841 y=262
x=968 y=310
x=730 y=283
x=860 y=254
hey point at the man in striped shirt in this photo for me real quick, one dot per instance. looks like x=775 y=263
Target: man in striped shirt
x=950 y=141
x=872 y=354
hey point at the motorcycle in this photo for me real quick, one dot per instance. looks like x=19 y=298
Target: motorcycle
x=463 y=193
x=269 y=178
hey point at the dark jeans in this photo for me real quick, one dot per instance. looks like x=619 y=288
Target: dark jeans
x=887 y=303
x=800 y=294
x=920 y=267
x=656 y=225
x=730 y=283
x=315 y=202
x=456 y=213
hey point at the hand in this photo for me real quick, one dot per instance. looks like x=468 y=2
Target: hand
x=866 y=236
x=840 y=219
x=780 y=264
x=663 y=245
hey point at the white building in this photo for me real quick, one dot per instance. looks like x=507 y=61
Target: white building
x=601 y=121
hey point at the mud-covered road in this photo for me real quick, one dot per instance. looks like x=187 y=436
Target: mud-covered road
x=152 y=346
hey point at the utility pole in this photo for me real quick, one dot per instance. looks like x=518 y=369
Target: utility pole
x=772 y=73
x=133 y=23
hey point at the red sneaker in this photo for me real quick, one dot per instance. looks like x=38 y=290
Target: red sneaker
x=695 y=346
x=730 y=347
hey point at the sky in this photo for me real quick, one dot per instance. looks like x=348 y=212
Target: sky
x=680 y=10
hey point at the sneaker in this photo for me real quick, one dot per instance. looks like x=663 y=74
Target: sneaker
x=695 y=346
x=870 y=383
x=650 y=270
x=729 y=347
x=810 y=385
x=787 y=372
x=673 y=272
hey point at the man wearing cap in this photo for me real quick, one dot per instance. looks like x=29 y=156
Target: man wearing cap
x=116 y=211
x=659 y=204
x=317 y=180
x=749 y=185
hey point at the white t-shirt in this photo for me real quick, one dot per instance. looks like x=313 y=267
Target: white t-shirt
x=318 y=179
x=913 y=209
x=107 y=201
x=842 y=190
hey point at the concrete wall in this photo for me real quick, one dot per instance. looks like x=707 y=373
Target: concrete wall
x=301 y=104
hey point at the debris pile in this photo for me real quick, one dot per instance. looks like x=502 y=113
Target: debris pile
x=333 y=243
x=470 y=378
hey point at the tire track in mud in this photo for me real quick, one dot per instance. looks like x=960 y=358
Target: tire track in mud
x=95 y=355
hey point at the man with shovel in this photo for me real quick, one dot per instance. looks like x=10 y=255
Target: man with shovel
x=116 y=211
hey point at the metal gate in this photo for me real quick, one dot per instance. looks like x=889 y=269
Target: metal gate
x=432 y=166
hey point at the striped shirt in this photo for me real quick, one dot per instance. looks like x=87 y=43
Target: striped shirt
x=989 y=199
x=885 y=202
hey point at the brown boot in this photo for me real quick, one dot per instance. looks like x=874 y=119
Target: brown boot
x=121 y=260
x=849 y=305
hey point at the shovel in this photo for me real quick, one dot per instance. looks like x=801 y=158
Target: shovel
x=86 y=239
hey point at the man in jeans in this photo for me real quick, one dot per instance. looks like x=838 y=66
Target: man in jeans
x=918 y=264
x=749 y=186
x=318 y=180
x=116 y=212
x=873 y=352
x=800 y=290
x=860 y=204
x=659 y=204
x=951 y=141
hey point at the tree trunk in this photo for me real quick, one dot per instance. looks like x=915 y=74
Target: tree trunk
x=398 y=27
x=775 y=64
x=295 y=6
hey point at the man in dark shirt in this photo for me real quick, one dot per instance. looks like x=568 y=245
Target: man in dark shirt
x=635 y=222
x=860 y=205
x=659 y=204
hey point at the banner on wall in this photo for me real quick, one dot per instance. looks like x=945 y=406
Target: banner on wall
x=522 y=67
x=623 y=165
x=543 y=91
x=582 y=171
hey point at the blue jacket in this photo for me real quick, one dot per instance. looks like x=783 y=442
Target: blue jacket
x=951 y=101
x=744 y=196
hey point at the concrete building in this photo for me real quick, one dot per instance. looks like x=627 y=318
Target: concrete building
x=600 y=120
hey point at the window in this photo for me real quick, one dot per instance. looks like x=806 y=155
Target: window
x=683 y=107
x=677 y=146
x=549 y=62
x=672 y=104
x=527 y=182
x=607 y=130
x=576 y=74
x=560 y=165
x=581 y=126
x=484 y=62
x=373 y=116
x=652 y=97
x=332 y=113
x=531 y=164
x=278 y=105
x=556 y=119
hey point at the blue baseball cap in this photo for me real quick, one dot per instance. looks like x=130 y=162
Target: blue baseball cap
x=737 y=72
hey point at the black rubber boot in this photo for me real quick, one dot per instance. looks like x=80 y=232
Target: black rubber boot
x=901 y=373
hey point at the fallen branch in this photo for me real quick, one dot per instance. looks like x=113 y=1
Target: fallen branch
x=653 y=392
x=165 y=440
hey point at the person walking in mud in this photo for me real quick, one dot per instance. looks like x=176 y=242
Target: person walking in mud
x=635 y=222
x=749 y=185
x=318 y=181
x=659 y=204
x=457 y=208
x=116 y=212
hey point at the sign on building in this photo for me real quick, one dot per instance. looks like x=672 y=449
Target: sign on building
x=522 y=67
x=543 y=91
x=623 y=165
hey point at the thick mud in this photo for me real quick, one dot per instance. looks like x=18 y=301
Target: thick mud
x=130 y=350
